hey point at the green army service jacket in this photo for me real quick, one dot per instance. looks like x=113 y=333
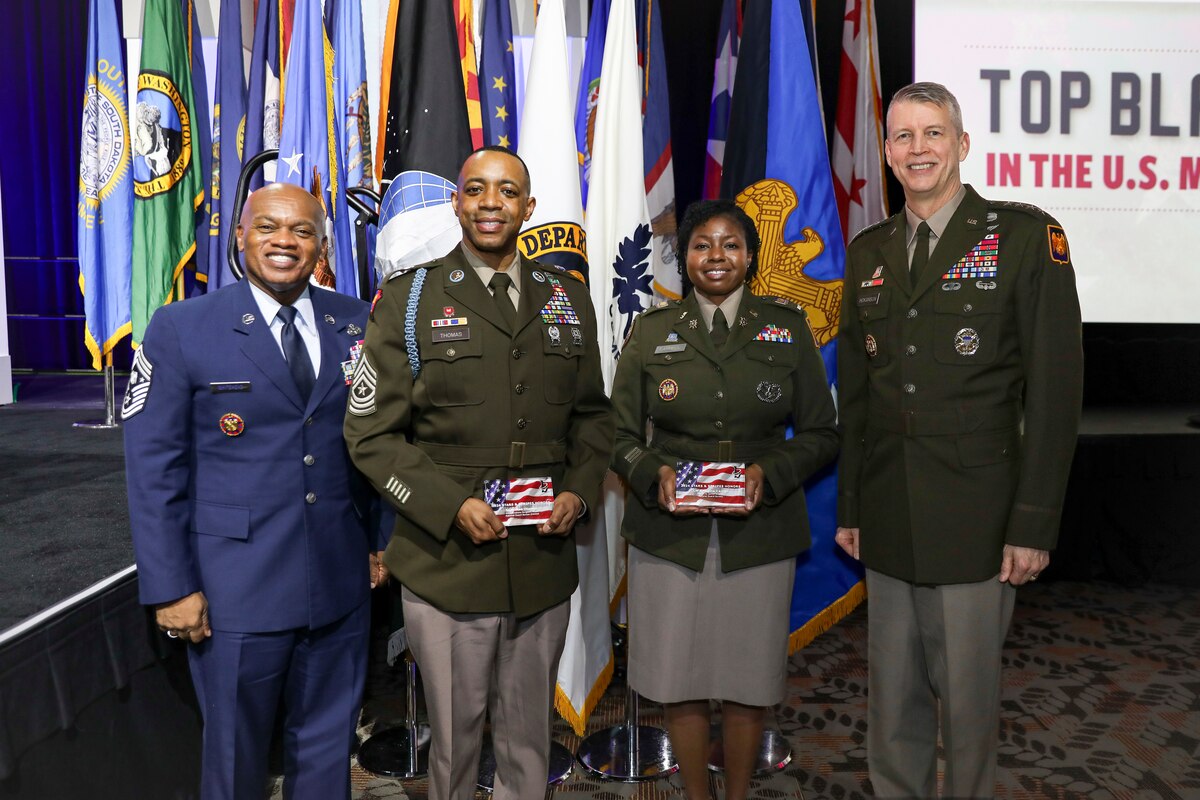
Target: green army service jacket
x=735 y=405
x=959 y=396
x=484 y=405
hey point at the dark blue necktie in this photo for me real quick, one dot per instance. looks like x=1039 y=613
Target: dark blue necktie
x=296 y=353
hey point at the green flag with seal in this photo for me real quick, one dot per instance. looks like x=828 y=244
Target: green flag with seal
x=167 y=184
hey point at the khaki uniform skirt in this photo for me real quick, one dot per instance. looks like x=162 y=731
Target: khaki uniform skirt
x=710 y=634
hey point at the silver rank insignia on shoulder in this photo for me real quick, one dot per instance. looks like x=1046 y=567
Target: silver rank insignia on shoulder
x=329 y=319
x=247 y=319
x=353 y=329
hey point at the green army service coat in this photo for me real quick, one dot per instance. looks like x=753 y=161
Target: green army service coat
x=485 y=404
x=729 y=405
x=959 y=396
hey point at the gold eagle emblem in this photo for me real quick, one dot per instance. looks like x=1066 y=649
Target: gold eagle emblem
x=781 y=264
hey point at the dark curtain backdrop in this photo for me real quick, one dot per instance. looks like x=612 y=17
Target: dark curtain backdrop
x=42 y=57
x=42 y=53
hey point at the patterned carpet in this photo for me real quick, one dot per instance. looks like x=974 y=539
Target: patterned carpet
x=1101 y=700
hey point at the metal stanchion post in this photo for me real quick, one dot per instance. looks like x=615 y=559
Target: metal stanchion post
x=774 y=755
x=399 y=752
x=110 y=406
x=628 y=752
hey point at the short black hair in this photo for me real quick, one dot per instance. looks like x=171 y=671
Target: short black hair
x=495 y=148
x=701 y=212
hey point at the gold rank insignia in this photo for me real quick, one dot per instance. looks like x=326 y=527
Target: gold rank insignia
x=1060 y=252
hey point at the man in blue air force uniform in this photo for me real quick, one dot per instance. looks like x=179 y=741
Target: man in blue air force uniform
x=252 y=530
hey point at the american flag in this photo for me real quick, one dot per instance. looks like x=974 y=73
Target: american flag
x=520 y=501
x=710 y=484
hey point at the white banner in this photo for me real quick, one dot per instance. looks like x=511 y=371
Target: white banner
x=1089 y=109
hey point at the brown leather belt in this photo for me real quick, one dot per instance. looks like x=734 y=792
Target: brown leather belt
x=514 y=455
x=966 y=419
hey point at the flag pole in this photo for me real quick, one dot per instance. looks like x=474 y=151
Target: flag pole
x=110 y=404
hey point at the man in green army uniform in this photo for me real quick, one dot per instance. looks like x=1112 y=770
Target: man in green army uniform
x=960 y=380
x=459 y=391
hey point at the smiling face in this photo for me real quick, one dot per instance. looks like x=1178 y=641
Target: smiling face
x=281 y=237
x=492 y=203
x=717 y=258
x=924 y=149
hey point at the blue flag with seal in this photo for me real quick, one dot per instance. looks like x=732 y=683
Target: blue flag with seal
x=309 y=150
x=262 y=93
x=777 y=167
x=229 y=125
x=352 y=111
x=589 y=92
x=498 y=76
x=657 y=159
x=105 y=207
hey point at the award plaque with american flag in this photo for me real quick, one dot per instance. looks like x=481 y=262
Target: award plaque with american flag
x=710 y=484
x=520 y=501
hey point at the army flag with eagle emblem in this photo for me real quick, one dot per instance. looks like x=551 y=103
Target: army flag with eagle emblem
x=777 y=167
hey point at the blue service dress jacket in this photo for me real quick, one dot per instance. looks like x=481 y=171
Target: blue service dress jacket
x=237 y=487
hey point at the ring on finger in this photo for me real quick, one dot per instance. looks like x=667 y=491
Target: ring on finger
x=172 y=635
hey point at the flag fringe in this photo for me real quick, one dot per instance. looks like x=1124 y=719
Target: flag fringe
x=576 y=719
x=99 y=352
x=822 y=622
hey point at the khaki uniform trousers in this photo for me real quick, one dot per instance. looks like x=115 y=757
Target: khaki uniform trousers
x=459 y=656
x=934 y=651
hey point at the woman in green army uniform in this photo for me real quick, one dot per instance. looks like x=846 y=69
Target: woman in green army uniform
x=720 y=376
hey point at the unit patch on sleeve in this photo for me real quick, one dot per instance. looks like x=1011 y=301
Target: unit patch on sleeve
x=1060 y=252
x=139 y=385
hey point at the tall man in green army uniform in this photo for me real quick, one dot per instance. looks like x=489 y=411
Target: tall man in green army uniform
x=960 y=378
x=480 y=369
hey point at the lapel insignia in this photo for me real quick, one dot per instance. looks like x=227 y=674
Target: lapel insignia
x=232 y=425
x=456 y=276
x=981 y=261
x=329 y=318
x=742 y=322
x=754 y=313
x=353 y=330
x=538 y=276
x=693 y=324
x=247 y=319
